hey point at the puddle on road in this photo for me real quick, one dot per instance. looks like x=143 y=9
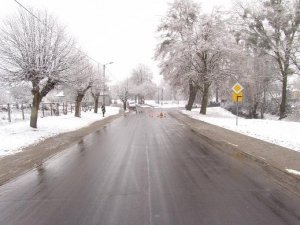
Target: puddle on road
x=238 y=155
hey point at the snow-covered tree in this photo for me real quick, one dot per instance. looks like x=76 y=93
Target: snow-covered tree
x=21 y=93
x=210 y=48
x=296 y=55
x=96 y=88
x=274 y=27
x=5 y=95
x=123 y=94
x=140 y=83
x=81 y=80
x=195 y=49
x=36 y=51
x=174 y=31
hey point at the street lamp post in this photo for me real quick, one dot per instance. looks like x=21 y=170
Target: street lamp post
x=104 y=67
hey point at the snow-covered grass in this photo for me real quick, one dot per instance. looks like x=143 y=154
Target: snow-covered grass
x=16 y=116
x=18 y=135
x=283 y=133
x=166 y=104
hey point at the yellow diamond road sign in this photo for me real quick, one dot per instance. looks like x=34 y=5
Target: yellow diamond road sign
x=237 y=88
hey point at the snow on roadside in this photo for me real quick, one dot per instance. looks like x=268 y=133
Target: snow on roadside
x=283 y=133
x=166 y=104
x=295 y=172
x=18 y=135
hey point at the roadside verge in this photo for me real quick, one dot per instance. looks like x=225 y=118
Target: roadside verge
x=273 y=158
x=12 y=166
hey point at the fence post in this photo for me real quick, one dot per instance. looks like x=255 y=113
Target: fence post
x=43 y=109
x=22 y=108
x=57 y=106
x=51 y=109
x=9 y=113
x=66 y=108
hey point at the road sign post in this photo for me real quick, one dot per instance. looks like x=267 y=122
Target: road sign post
x=237 y=113
x=237 y=96
x=237 y=107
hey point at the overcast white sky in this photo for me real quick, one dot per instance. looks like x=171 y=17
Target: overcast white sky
x=122 y=31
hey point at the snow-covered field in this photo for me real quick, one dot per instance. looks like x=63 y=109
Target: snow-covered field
x=283 y=133
x=16 y=116
x=18 y=135
x=166 y=104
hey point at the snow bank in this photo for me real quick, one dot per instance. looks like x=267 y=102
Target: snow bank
x=18 y=135
x=166 y=104
x=283 y=133
x=295 y=172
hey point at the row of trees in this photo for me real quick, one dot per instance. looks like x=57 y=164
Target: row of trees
x=35 y=50
x=138 y=86
x=256 y=43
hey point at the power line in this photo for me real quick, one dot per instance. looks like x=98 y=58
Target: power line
x=38 y=19
x=28 y=11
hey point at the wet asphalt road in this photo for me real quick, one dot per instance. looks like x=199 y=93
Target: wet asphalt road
x=143 y=170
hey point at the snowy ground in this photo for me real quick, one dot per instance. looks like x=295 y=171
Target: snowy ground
x=18 y=135
x=295 y=172
x=283 y=133
x=16 y=116
x=166 y=104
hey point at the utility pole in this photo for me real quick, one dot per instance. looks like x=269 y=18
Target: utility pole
x=103 y=102
x=162 y=96
x=104 y=67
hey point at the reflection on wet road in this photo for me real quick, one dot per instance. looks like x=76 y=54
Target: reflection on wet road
x=146 y=169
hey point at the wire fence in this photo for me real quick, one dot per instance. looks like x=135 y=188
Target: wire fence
x=18 y=112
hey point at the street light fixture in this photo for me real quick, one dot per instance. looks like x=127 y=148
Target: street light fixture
x=104 y=66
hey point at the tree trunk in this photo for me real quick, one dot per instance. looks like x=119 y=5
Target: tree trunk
x=96 y=103
x=204 y=99
x=282 y=113
x=192 y=96
x=78 y=105
x=37 y=98
x=263 y=106
x=217 y=95
x=254 y=110
x=124 y=105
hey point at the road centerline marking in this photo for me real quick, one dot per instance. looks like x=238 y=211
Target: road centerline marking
x=149 y=185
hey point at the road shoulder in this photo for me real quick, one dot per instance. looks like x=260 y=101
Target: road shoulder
x=273 y=158
x=12 y=166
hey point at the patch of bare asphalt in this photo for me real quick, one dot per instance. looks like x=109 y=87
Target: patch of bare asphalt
x=12 y=166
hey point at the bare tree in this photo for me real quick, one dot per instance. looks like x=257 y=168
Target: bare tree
x=37 y=51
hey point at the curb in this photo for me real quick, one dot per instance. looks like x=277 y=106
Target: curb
x=280 y=176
